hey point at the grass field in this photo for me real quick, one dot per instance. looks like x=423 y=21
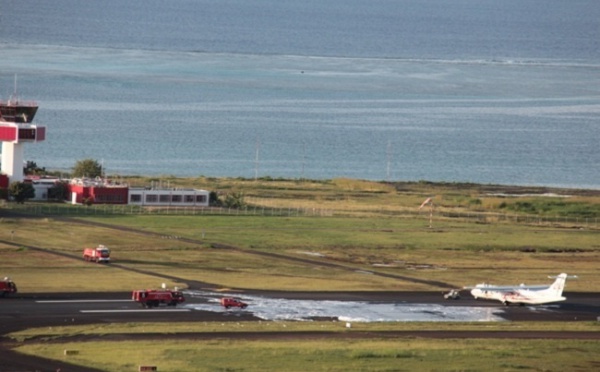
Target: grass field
x=403 y=354
x=455 y=253
x=340 y=353
x=370 y=231
x=293 y=326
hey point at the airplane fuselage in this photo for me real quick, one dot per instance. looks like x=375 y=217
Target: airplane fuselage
x=483 y=293
x=522 y=294
x=518 y=296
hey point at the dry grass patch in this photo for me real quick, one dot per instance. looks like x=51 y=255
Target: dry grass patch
x=41 y=272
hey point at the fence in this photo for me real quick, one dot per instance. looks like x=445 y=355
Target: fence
x=100 y=209
x=476 y=217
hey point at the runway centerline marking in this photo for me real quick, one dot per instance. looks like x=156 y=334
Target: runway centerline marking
x=137 y=311
x=77 y=301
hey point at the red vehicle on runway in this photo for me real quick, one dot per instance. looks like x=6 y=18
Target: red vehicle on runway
x=7 y=287
x=153 y=297
x=228 y=302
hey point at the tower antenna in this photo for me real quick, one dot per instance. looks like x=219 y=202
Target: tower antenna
x=303 y=157
x=15 y=95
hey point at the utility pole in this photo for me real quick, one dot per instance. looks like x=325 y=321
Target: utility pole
x=256 y=161
x=389 y=159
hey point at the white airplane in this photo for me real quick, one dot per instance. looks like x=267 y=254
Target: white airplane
x=522 y=294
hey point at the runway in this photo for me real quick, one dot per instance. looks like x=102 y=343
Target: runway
x=59 y=309
x=48 y=310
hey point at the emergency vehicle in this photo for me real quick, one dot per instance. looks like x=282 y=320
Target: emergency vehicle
x=155 y=297
x=228 y=302
x=99 y=254
x=7 y=287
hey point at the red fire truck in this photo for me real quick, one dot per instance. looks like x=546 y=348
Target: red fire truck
x=98 y=254
x=7 y=287
x=154 y=297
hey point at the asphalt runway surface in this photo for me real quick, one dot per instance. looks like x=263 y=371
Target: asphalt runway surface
x=47 y=310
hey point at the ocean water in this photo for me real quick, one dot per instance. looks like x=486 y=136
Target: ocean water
x=486 y=91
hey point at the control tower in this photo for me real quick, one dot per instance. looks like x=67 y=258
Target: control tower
x=16 y=129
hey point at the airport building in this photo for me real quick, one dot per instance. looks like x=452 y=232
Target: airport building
x=171 y=197
x=102 y=191
x=17 y=129
x=97 y=191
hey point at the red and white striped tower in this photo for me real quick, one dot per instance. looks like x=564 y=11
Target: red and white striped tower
x=16 y=129
x=429 y=201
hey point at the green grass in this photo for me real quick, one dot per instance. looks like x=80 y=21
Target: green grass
x=403 y=354
x=341 y=353
x=277 y=232
x=556 y=207
x=292 y=326
x=470 y=252
x=456 y=253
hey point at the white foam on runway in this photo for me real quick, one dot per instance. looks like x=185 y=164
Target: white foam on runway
x=348 y=311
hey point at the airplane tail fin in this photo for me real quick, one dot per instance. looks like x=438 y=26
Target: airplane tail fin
x=556 y=289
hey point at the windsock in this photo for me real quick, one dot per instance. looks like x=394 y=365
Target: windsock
x=427 y=201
